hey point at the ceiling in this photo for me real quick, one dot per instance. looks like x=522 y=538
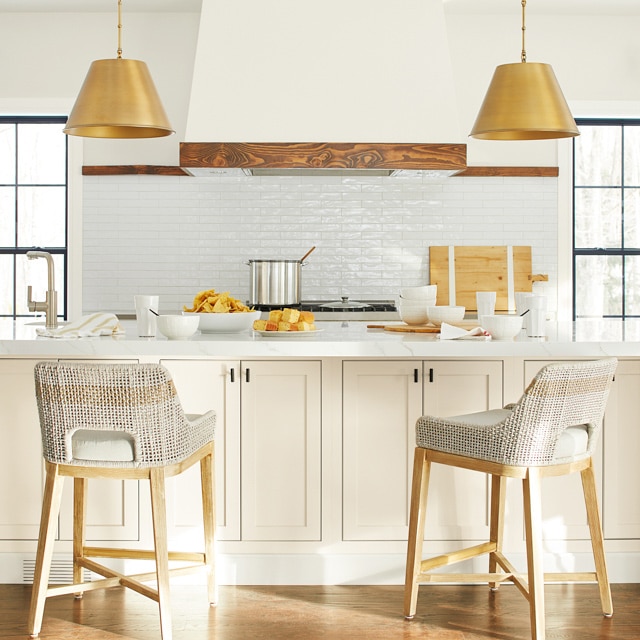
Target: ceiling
x=584 y=7
x=98 y=6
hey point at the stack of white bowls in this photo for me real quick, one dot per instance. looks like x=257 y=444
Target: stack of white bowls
x=413 y=303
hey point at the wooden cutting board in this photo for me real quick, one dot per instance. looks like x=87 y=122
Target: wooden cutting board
x=460 y=271
x=406 y=328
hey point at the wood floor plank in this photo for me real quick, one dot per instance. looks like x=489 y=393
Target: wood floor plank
x=327 y=613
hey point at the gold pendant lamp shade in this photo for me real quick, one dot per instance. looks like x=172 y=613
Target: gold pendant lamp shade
x=118 y=100
x=524 y=102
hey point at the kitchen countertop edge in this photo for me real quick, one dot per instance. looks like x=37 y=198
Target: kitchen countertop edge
x=596 y=338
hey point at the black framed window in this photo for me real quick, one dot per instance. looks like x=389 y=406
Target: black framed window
x=33 y=209
x=606 y=219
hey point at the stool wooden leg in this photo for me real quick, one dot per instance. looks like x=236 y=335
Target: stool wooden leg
x=79 y=519
x=54 y=484
x=533 y=529
x=496 y=530
x=207 y=477
x=595 y=528
x=159 y=514
x=419 y=490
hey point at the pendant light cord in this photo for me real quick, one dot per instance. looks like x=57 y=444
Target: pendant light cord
x=120 y=29
x=523 y=55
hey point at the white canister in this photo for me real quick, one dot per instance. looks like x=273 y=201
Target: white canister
x=522 y=307
x=536 y=326
x=486 y=303
x=145 y=319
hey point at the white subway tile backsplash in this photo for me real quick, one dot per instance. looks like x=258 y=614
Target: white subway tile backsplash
x=175 y=236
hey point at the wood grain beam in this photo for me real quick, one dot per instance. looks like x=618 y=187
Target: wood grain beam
x=509 y=172
x=312 y=155
x=132 y=169
x=473 y=172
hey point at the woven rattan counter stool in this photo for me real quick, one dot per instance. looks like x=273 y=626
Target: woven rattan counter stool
x=118 y=421
x=551 y=431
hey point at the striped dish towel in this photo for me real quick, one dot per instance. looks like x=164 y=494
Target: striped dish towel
x=96 y=324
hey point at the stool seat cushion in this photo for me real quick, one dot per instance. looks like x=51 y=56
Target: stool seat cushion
x=102 y=445
x=478 y=435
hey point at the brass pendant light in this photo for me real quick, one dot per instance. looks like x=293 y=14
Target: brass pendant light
x=524 y=102
x=118 y=100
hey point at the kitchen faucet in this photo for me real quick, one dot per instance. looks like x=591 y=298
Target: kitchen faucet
x=50 y=305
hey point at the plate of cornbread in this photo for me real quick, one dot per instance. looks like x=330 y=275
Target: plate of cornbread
x=286 y=323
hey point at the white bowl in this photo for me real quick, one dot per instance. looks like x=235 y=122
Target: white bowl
x=414 y=312
x=419 y=293
x=445 y=313
x=502 y=327
x=225 y=322
x=177 y=327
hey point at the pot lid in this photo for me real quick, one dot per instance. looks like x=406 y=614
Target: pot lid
x=345 y=304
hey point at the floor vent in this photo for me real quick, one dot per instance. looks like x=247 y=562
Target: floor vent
x=61 y=572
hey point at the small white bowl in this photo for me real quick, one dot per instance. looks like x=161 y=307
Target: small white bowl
x=445 y=313
x=177 y=327
x=414 y=312
x=225 y=322
x=419 y=293
x=502 y=327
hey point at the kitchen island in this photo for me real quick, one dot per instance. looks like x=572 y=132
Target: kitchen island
x=314 y=448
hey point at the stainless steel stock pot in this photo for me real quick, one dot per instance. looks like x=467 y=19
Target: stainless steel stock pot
x=275 y=282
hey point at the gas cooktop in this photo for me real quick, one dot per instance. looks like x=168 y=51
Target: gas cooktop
x=335 y=306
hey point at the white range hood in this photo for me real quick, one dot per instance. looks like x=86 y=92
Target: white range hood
x=372 y=74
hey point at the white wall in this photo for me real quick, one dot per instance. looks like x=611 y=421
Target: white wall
x=291 y=71
x=595 y=58
x=46 y=57
x=177 y=236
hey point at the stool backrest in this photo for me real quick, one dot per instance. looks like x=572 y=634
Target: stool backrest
x=561 y=395
x=138 y=399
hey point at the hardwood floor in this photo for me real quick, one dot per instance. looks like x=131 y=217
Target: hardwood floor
x=327 y=613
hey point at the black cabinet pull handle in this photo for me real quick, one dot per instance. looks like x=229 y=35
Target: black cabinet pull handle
x=232 y=374
x=247 y=375
x=415 y=375
x=430 y=375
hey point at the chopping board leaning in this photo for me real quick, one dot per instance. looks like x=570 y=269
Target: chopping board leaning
x=461 y=271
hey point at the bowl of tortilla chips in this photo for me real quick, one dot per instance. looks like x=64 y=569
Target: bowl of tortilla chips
x=221 y=312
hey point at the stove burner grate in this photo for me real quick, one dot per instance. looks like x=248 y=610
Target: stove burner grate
x=316 y=306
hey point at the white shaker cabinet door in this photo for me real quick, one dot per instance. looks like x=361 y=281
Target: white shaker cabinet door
x=281 y=450
x=381 y=403
x=621 y=439
x=203 y=385
x=21 y=465
x=458 y=502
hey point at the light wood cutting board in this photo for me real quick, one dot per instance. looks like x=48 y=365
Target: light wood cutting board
x=406 y=328
x=460 y=271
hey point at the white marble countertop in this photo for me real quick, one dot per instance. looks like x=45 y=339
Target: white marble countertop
x=586 y=338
